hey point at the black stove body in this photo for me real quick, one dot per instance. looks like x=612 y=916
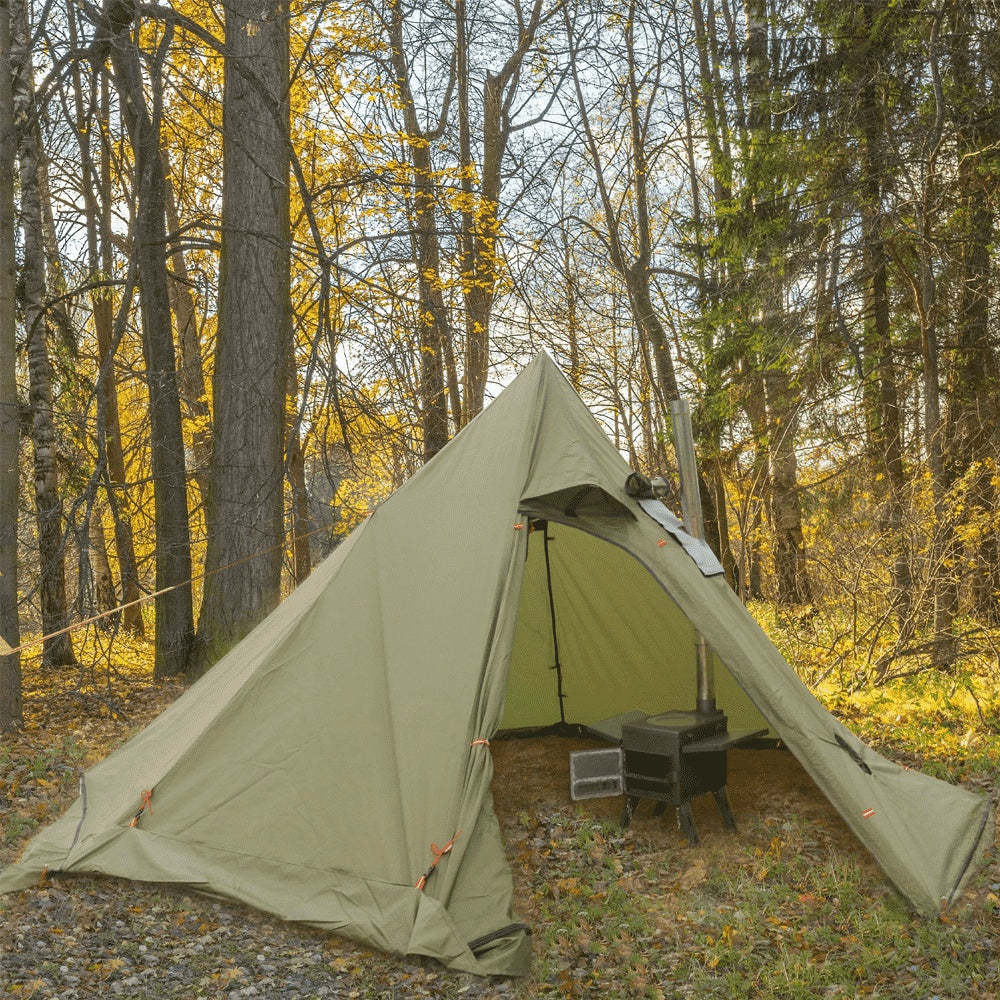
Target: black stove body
x=674 y=756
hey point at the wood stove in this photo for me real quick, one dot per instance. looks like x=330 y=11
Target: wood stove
x=674 y=756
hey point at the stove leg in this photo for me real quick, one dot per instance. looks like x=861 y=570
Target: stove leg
x=631 y=801
x=722 y=801
x=685 y=820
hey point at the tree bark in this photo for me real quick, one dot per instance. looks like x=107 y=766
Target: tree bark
x=435 y=337
x=57 y=649
x=245 y=511
x=971 y=435
x=97 y=211
x=885 y=429
x=11 y=707
x=190 y=373
x=173 y=607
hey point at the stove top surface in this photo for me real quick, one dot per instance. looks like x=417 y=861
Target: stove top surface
x=677 y=719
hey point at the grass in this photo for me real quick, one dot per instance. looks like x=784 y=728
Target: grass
x=782 y=916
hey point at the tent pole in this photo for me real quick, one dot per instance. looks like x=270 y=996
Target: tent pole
x=557 y=665
x=687 y=467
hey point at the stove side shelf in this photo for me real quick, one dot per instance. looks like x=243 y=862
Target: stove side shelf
x=722 y=741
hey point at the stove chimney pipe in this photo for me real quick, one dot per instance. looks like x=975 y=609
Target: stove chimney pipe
x=687 y=468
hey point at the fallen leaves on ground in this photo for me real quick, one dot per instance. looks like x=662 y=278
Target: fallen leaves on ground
x=789 y=907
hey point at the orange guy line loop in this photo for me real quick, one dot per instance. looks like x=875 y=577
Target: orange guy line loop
x=439 y=853
x=147 y=803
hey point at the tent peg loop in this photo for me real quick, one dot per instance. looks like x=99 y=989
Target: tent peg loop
x=439 y=853
x=147 y=803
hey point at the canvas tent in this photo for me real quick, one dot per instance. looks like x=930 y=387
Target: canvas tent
x=312 y=769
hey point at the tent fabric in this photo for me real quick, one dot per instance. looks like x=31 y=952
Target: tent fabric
x=698 y=549
x=325 y=763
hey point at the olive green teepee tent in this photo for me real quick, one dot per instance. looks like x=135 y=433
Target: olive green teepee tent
x=334 y=768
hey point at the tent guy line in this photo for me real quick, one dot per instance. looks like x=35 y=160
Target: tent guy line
x=6 y=650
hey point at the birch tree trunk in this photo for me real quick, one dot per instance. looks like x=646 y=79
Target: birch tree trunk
x=57 y=650
x=11 y=711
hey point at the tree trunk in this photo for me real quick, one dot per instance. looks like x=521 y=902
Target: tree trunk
x=943 y=546
x=572 y=298
x=708 y=414
x=11 y=710
x=190 y=374
x=107 y=398
x=97 y=210
x=791 y=576
x=57 y=650
x=300 y=521
x=758 y=490
x=481 y=228
x=885 y=430
x=245 y=511
x=174 y=616
x=435 y=337
x=765 y=184
x=630 y=256
x=104 y=597
x=972 y=436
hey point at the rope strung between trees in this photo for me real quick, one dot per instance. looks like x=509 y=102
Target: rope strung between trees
x=6 y=650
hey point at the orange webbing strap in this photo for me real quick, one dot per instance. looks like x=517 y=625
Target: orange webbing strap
x=480 y=742
x=439 y=853
x=147 y=803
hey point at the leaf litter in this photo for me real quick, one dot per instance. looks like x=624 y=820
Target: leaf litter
x=790 y=906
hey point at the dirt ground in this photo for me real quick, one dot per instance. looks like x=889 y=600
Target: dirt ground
x=534 y=773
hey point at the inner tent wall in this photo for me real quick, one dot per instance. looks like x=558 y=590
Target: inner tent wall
x=622 y=642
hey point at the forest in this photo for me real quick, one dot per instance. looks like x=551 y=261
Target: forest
x=260 y=262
